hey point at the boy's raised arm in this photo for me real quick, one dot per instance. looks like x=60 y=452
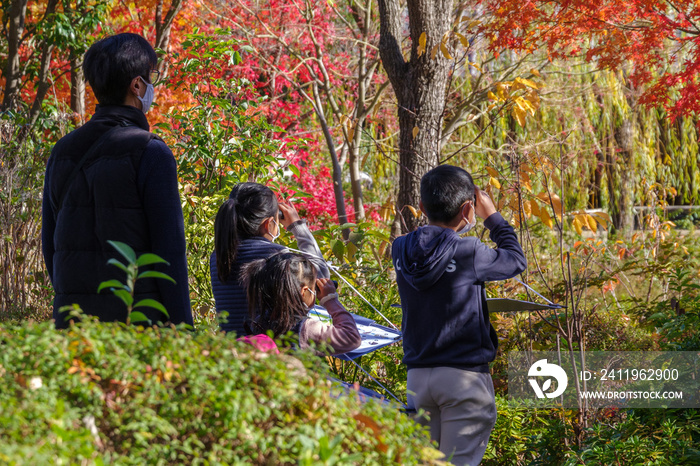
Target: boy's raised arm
x=507 y=261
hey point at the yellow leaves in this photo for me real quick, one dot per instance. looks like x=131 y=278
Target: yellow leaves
x=472 y=22
x=519 y=95
x=553 y=201
x=414 y=211
x=519 y=114
x=416 y=130
x=421 y=44
x=535 y=72
x=522 y=83
x=590 y=221
x=525 y=180
x=349 y=126
x=494 y=182
x=387 y=210
x=442 y=46
x=546 y=218
x=503 y=90
x=463 y=40
x=443 y=49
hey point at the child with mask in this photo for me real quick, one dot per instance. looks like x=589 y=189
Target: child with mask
x=281 y=290
x=246 y=226
x=448 y=338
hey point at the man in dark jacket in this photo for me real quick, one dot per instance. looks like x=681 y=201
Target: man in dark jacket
x=112 y=179
x=448 y=338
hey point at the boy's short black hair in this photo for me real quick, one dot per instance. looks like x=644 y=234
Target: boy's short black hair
x=443 y=190
x=110 y=64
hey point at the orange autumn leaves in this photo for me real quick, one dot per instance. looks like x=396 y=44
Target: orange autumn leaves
x=523 y=203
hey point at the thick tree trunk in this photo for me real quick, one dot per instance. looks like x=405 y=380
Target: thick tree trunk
x=18 y=12
x=420 y=86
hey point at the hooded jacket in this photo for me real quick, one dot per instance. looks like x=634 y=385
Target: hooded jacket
x=441 y=280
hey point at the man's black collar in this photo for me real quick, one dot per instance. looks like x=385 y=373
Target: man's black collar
x=126 y=115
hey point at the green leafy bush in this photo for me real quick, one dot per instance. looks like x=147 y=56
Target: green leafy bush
x=108 y=393
x=645 y=437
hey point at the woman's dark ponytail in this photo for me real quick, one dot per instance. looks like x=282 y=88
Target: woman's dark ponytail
x=240 y=217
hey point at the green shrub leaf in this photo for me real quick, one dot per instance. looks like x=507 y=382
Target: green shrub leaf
x=116 y=263
x=148 y=259
x=125 y=296
x=154 y=274
x=110 y=284
x=137 y=316
x=152 y=303
x=125 y=250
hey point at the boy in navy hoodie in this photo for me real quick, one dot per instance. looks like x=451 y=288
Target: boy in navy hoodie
x=448 y=338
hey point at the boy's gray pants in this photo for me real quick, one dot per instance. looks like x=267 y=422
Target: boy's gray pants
x=461 y=406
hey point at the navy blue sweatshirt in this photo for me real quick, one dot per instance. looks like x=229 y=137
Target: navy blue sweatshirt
x=441 y=282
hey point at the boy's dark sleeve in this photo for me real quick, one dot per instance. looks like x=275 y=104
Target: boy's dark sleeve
x=157 y=179
x=507 y=261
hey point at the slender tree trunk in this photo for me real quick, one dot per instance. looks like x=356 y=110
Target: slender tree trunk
x=77 y=81
x=624 y=135
x=163 y=28
x=44 y=81
x=337 y=171
x=355 y=161
x=420 y=86
x=18 y=12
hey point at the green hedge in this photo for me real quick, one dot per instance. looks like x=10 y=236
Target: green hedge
x=108 y=394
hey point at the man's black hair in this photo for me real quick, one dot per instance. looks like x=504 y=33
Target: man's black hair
x=111 y=63
x=443 y=190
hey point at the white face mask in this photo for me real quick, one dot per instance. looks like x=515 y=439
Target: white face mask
x=274 y=237
x=468 y=226
x=312 y=304
x=147 y=98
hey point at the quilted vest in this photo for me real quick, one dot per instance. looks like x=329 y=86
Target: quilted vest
x=100 y=202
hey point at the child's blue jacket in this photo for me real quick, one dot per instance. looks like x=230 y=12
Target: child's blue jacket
x=441 y=282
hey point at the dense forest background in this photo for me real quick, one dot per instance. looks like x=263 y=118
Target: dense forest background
x=579 y=117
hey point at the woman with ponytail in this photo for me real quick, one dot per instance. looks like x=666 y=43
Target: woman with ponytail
x=282 y=288
x=245 y=229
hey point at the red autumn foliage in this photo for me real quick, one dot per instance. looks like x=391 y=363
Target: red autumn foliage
x=657 y=41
